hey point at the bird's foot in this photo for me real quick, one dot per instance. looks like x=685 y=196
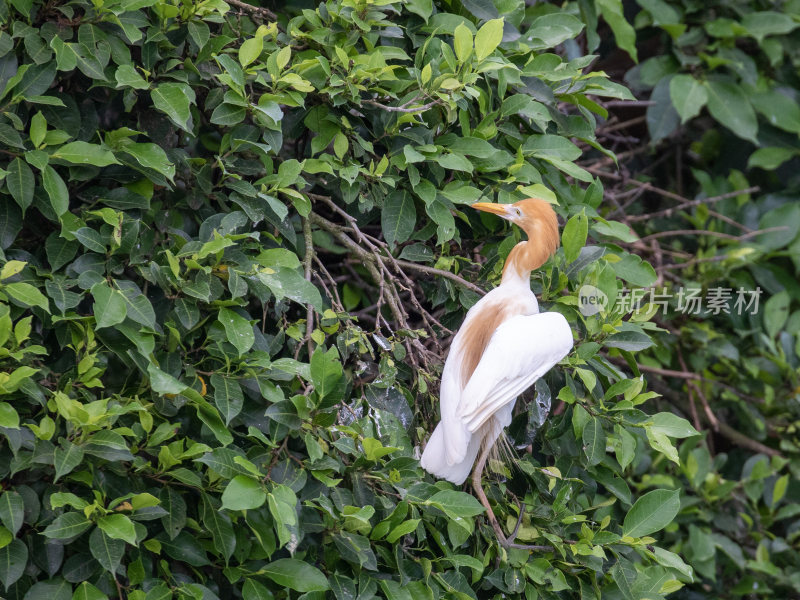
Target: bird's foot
x=498 y=531
x=508 y=542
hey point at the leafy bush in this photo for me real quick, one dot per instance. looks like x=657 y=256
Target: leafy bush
x=233 y=246
x=703 y=188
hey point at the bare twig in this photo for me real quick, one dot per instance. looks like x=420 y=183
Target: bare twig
x=747 y=442
x=307 y=260
x=691 y=383
x=441 y=273
x=628 y=103
x=403 y=109
x=708 y=232
x=685 y=203
x=265 y=12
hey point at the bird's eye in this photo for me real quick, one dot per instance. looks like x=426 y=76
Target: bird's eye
x=517 y=212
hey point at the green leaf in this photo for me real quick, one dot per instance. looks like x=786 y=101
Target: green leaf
x=770 y=158
x=253 y=590
x=289 y=283
x=634 y=270
x=768 y=22
x=779 y=110
x=173 y=100
x=106 y=550
x=175 y=519
x=553 y=29
x=402 y=530
x=651 y=512
x=128 y=76
x=228 y=396
x=594 y=441
x=67 y=456
x=672 y=425
x=456 y=504
x=551 y=146
x=219 y=524
x=11 y=511
x=109 y=305
x=118 y=527
x=90 y=239
x=488 y=38
x=626 y=447
x=164 y=383
x=776 y=312
x=8 y=416
x=56 y=189
x=296 y=574
x=423 y=8
x=662 y=117
x=151 y=156
x=228 y=115
x=38 y=128
x=395 y=591
x=28 y=295
x=326 y=370
x=13 y=560
x=574 y=236
x=243 y=493
x=729 y=105
x=238 y=330
x=612 y=12
x=67 y=526
x=20 y=182
x=673 y=561
x=199 y=32
x=632 y=341
x=462 y=42
x=688 y=96
x=250 y=50
x=83 y=153
x=661 y=443
x=398 y=217
x=86 y=591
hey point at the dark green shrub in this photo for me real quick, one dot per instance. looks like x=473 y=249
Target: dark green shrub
x=230 y=251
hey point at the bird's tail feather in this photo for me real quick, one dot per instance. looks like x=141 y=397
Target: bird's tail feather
x=502 y=454
x=434 y=458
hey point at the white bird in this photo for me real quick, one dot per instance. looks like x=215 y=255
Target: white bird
x=504 y=345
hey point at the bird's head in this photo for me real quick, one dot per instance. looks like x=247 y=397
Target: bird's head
x=535 y=216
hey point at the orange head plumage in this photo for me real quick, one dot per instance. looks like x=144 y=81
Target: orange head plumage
x=539 y=221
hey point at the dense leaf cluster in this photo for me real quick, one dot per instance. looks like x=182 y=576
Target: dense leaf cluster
x=231 y=244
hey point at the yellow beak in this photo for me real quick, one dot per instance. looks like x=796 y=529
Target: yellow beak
x=500 y=210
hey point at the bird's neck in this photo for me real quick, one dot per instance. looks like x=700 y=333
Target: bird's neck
x=523 y=258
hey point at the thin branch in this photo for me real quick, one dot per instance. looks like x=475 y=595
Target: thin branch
x=441 y=273
x=708 y=232
x=743 y=440
x=307 y=260
x=628 y=103
x=712 y=419
x=253 y=9
x=685 y=203
x=402 y=109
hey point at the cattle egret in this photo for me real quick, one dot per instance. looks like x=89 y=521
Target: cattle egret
x=504 y=345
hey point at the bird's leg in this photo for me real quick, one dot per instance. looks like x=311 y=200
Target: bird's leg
x=476 y=485
x=498 y=531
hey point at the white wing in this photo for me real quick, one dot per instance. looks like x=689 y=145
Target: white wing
x=521 y=350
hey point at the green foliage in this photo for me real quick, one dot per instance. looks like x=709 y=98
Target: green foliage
x=229 y=247
x=721 y=157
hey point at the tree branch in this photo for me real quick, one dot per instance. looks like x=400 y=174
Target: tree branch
x=265 y=12
x=402 y=109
